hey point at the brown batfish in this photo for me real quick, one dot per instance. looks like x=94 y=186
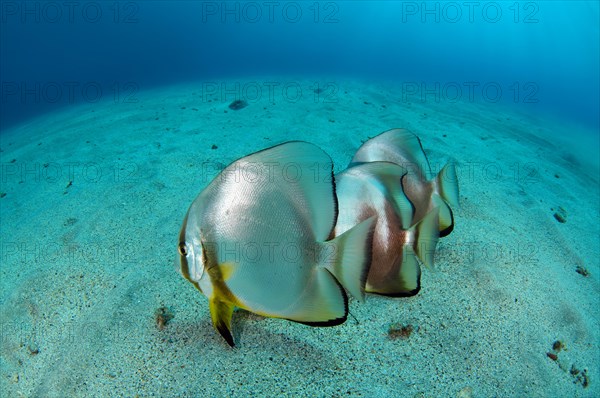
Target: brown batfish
x=402 y=147
x=374 y=189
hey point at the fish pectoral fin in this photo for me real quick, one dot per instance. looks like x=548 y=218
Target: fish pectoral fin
x=392 y=176
x=220 y=313
x=427 y=234
x=404 y=206
x=227 y=269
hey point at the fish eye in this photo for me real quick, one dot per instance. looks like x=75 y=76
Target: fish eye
x=182 y=249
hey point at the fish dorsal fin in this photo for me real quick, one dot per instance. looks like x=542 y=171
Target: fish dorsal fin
x=398 y=146
x=304 y=174
x=388 y=179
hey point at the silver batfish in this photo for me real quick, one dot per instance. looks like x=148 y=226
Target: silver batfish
x=258 y=237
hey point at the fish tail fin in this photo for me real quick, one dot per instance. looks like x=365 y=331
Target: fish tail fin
x=350 y=257
x=426 y=233
x=447 y=184
x=220 y=313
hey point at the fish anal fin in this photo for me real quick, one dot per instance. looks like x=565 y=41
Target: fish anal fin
x=322 y=303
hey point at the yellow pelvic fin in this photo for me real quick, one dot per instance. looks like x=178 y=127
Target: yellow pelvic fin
x=220 y=313
x=223 y=301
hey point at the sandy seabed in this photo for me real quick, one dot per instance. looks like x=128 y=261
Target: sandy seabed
x=93 y=198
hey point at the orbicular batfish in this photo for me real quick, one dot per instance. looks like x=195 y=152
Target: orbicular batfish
x=402 y=147
x=258 y=237
x=374 y=189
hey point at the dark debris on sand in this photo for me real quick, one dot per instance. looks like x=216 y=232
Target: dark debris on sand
x=581 y=270
x=398 y=330
x=162 y=316
x=238 y=104
x=579 y=376
x=560 y=215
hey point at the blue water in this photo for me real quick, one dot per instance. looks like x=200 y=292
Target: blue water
x=540 y=56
